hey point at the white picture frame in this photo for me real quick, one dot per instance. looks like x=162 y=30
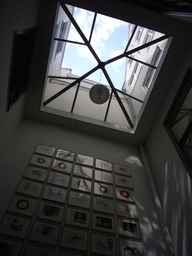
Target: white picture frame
x=45 y=150
x=59 y=179
x=103 y=244
x=40 y=160
x=126 y=210
x=103 y=176
x=125 y=194
x=84 y=160
x=79 y=199
x=77 y=217
x=123 y=181
x=81 y=184
x=55 y=194
x=23 y=205
x=104 y=165
x=103 y=204
x=103 y=223
x=44 y=233
x=74 y=238
x=10 y=247
x=103 y=189
x=50 y=211
x=65 y=155
x=62 y=166
x=83 y=171
x=130 y=247
x=14 y=226
x=32 y=250
x=35 y=173
x=122 y=169
x=29 y=188
x=128 y=228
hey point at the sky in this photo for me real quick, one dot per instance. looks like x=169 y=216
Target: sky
x=109 y=39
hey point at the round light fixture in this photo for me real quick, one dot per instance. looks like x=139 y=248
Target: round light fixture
x=99 y=94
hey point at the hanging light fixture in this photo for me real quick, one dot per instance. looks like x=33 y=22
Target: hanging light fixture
x=99 y=94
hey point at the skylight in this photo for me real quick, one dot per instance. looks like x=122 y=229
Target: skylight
x=90 y=48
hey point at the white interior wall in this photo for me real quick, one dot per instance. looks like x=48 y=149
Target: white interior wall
x=18 y=152
x=171 y=178
x=14 y=16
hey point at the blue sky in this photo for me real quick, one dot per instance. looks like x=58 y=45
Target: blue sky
x=109 y=39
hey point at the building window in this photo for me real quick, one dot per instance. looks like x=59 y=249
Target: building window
x=149 y=36
x=178 y=122
x=151 y=71
x=139 y=33
x=134 y=74
x=61 y=36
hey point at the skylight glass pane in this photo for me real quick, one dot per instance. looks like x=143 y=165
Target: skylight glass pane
x=79 y=59
x=116 y=115
x=84 y=19
x=64 y=101
x=116 y=71
x=109 y=37
x=85 y=107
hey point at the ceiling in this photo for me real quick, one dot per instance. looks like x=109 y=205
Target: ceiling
x=121 y=9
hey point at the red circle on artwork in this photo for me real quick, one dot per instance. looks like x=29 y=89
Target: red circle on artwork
x=62 y=165
x=103 y=189
x=124 y=194
x=40 y=160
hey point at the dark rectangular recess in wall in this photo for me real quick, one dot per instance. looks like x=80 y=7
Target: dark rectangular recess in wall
x=23 y=44
x=181 y=108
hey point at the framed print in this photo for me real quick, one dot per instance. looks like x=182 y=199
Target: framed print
x=34 y=250
x=23 y=205
x=103 y=189
x=10 y=248
x=125 y=194
x=81 y=184
x=103 y=204
x=29 y=188
x=126 y=210
x=50 y=212
x=123 y=181
x=65 y=155
x=83 y=171
x=77 y=218
x=62 y=166
x=122 y=169
x=103 y=176
x=84 y=160
x=130 y=247
x=55 y=194
x=74 y=238
x=129 y=228
x=103 y=223
x=39 y=160
x=35 y=173
x=14 y=226
x=104 y=245
x=79 y=199
x=44 y=233
x=102 y=164
x=58 y=179
x=45 y=150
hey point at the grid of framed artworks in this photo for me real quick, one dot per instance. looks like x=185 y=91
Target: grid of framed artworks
x=71 y=204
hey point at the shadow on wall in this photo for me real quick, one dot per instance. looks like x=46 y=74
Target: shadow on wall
x=177 y=205
x=150 y=228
